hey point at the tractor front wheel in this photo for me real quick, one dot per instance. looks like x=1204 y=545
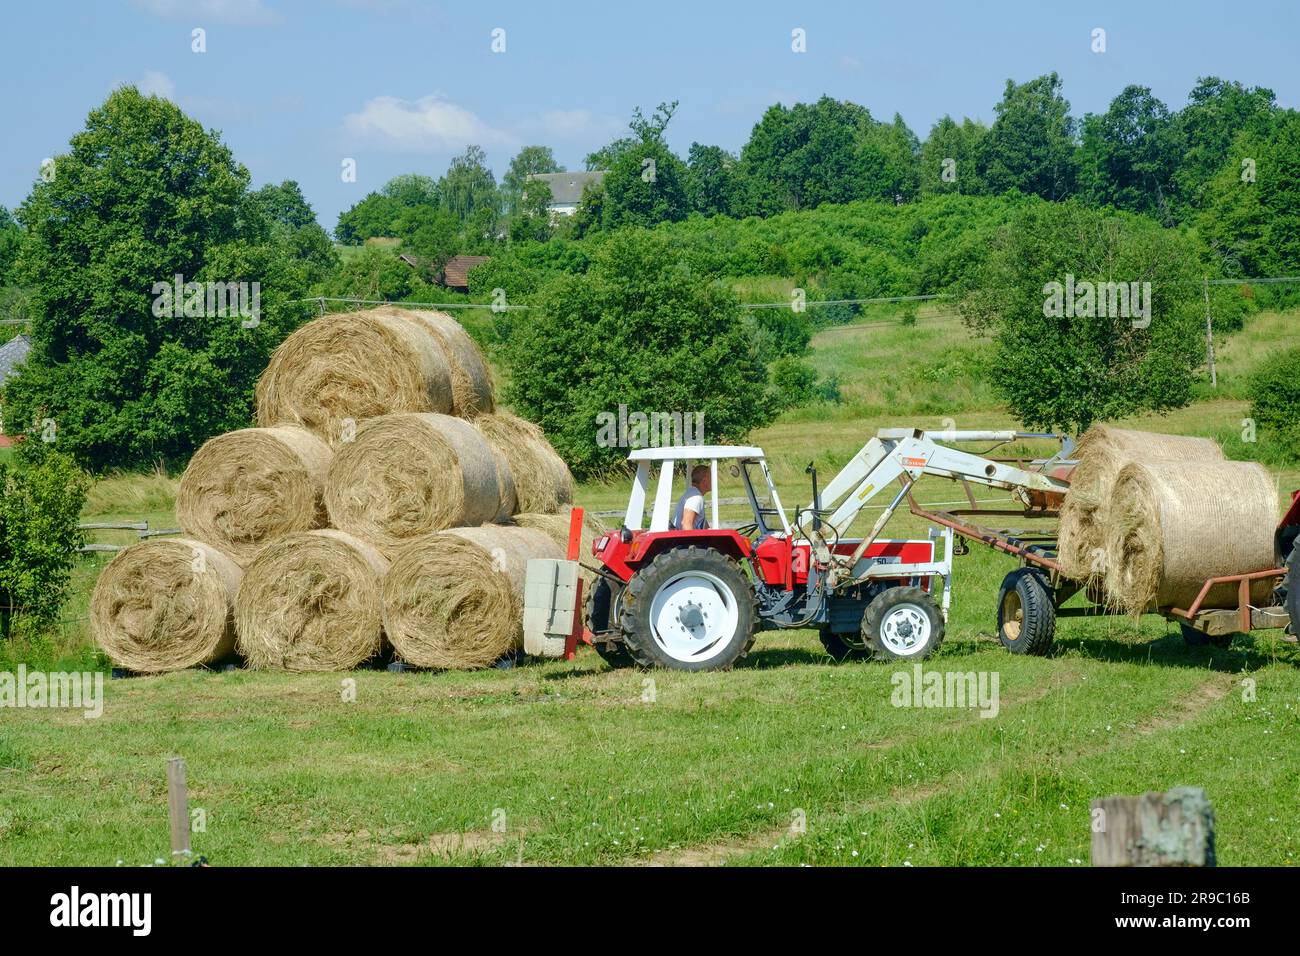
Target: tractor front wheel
x=838 y=647
x=1292 y=585
x=902 y=623
x=690 y=609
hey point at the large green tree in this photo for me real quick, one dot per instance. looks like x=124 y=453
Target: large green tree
x=646 y=184
x=1130 y=155
x=468 y=186
x=10 y=237
x=1252 y=205
x=949 y=158
x=642 y=330
x=529 y=161
x=121 y=373
x=1030 y=146
x=712 y=180
x=1216 y=112
x=1068 y=357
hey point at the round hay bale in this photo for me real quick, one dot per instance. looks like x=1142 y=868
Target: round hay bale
x=243 y=488
x=311 y=602
x=1172 y=525
x=411 y=474
x=556 y=527
x=165 y=604
x=454 y=599
x=542 y=479
x=1101 y=453
x=472 y=392
x=336 y=371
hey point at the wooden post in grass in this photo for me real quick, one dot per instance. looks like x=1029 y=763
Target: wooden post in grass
x=178 y=807
x=1155 y=829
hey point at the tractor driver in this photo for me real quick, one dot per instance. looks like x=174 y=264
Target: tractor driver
x=690 y=507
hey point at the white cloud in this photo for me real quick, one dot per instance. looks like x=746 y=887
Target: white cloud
x=157 y=83
x=246 y=12
x=851 y=63
x=430 y=124
x=572 y=124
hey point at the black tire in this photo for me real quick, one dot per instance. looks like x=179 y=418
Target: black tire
x=1195 y=638
x=881 y=619
x=839 y=649
x=1026 y=614
x=634 y=611
x=1292 y=585
x=596 y=608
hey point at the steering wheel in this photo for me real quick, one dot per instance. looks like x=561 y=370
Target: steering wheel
x=747 y=530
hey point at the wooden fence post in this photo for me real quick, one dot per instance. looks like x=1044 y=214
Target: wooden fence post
x=1155 y=829
x=178 y=807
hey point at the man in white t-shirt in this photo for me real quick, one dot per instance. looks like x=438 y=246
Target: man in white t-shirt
x=690 y=506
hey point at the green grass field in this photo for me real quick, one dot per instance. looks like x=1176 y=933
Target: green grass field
x=787 y=759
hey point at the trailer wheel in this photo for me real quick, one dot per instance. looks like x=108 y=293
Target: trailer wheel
x=690 y=609
x=596 y=612
x=902 y=624
x=1195 y=638
x=1026 y=616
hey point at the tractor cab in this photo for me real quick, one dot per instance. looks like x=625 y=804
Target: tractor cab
x=747 y=463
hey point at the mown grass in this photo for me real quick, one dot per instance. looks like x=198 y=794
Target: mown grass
x=576 y=763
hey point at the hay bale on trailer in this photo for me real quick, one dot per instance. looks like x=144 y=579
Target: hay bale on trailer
x=311 y=602
x=410 y=474
x=1101 y=453
x=1171 y=526
x=454 y=599
x=542 y=479
x=349 y=367
x=164 y=605
x=246 y=487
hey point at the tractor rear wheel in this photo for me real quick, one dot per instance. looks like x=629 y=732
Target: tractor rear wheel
x=690 y=609
x=902 y=624
x=1026 y=615
x=597 y=607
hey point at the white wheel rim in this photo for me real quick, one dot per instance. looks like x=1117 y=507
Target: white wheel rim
x=693 y=617
x=906 y=630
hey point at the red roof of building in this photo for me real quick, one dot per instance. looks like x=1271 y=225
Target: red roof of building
x=455 y=274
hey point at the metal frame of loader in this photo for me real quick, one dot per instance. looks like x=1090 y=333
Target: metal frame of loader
x=1036 y=549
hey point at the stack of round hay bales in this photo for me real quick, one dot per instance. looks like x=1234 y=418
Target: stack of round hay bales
x=378 y=439
x=163 y=605
x=454 y=599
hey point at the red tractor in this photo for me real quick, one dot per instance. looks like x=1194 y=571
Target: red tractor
x=693 y=599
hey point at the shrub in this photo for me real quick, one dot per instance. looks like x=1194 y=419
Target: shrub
x=1275 y=403
x=40 y=503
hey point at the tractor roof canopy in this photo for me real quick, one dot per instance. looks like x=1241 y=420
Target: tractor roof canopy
x=679 y=452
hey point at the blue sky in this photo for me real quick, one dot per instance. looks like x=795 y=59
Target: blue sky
x=295 y=87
